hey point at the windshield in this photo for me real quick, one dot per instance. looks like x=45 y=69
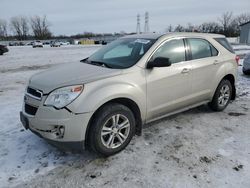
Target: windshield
x=122 y=53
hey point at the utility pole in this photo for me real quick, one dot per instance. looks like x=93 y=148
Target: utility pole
x=146 y=26
x=138 y=27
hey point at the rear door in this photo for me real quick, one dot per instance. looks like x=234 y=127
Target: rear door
x=205 y=62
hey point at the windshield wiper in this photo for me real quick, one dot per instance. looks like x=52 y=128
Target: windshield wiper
x=99 y=63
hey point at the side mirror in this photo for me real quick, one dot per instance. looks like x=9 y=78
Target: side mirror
x=159 y=62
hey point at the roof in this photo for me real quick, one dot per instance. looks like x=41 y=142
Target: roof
x=245 y=23
x=174 y=34
x=145 y=36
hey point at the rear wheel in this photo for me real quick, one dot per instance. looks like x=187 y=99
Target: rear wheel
x=112 y=129
x=222 y=96
x=1 y=52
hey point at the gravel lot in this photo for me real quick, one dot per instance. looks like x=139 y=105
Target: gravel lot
x=197 y=148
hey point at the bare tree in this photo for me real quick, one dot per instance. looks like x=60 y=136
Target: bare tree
x=190 y=28
x=179 y=28
x=242 y=18
x=169 y=28
x=226 y=22
x=3 y=29
x=20 y=27
x=238 y=20
x=210 y=27
x=40 y=27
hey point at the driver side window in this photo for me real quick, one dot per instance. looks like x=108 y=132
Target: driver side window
x=173 y=50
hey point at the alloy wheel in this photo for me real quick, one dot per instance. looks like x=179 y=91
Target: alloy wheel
x=224 y=95
x=115 y=131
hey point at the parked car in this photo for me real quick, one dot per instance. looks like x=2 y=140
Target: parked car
x=30 y=43
x=246 y=64
x=3 y=49
x=46 y=43
x=102 y=101
x=37 y=44
x=64 y=43
x=13 y=44
x=55 y=44
x=21 y=44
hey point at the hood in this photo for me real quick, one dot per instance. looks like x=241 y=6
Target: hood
x=69 y=74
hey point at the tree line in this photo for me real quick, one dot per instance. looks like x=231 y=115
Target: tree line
x=227 y=24
x=38 y=27
x=23 y=28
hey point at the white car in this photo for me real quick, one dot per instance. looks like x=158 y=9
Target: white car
x=102 y=101
x=246 y=64
x=37 y=44
x=64 y=43
x=55 y=44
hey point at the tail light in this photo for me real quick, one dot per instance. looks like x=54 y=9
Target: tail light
x=237 y=59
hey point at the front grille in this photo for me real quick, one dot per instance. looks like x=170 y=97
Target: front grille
x=34 y=93
x=31 y=110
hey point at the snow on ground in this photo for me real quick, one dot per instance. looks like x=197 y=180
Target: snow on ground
x=197 y=148
x=21 y=153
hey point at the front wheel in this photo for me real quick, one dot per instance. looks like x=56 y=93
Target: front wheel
x=222 y=96
x=112 y=129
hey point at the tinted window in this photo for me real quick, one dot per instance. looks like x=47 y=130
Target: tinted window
x=200 y=48
x=214 y=50
x=225 y=44
x=174 y=50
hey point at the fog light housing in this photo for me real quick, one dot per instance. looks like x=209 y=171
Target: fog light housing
x=58 y=131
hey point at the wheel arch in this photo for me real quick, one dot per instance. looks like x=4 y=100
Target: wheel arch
x=132 y=105
x=231 y=79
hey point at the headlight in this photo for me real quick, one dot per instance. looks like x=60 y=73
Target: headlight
x=61 y=97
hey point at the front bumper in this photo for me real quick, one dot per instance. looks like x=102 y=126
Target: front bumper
x=47 y=121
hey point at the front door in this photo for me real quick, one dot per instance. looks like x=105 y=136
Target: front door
x=168 y=88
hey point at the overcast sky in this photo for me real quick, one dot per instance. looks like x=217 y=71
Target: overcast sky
x=76 y=16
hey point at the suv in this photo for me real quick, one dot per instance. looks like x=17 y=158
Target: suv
x=38 y=44
x=102 y=101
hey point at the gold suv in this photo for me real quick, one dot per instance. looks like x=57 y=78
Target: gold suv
x=102 y=101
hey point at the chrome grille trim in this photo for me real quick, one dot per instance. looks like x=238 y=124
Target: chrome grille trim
x=38 y=93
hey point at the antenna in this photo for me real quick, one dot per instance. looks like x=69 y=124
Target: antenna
x=138 y=27
x=146 y=26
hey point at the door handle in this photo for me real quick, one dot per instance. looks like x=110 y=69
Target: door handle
x=216 y=62
x=185 y=70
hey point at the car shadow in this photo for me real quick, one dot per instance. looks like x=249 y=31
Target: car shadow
x=198 y=110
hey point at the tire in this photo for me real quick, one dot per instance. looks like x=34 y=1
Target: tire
x=1 y=52
x=106 y=121
x=222 y=96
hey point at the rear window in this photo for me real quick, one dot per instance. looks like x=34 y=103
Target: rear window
x=225 y=44
x=201 y=48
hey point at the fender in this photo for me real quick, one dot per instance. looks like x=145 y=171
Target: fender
x=227 y=68
x=97 y=93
